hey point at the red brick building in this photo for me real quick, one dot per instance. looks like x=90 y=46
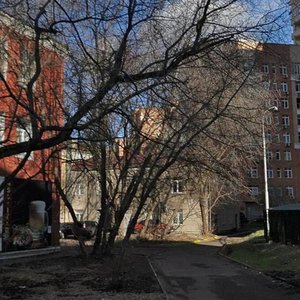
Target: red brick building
x=19 y=109
x=277 y=71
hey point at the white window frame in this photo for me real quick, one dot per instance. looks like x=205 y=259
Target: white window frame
x=286 y=138
x=177 y=186
x=26 y=66
x=290 y=191
x=79 y=189
x=254 y=191
x=253 y=172
x=277 y=155
x=283 y=70
x=2 y=127
x=79 y=215
x=266 y=85
x=285 y=103
x=285 y=121
x=270 y=173
x=288 y=173
x=278 y=173
x=296 y=69
x=178 y=218
x=284 y=87
x=265 y=68
x=268 y=137
x=269 y=155
x=3 y=57
x=287 y=155
x=273 y=68
x=23 y=134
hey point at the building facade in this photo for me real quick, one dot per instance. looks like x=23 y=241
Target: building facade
x=277 y=69
x=29 y=206
x=295 y=14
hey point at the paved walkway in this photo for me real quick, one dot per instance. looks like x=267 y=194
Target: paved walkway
x=197 y=272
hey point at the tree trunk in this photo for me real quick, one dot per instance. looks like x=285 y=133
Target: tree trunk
x=104 y=199
x=204 y=216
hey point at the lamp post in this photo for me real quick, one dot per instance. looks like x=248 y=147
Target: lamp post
x=267 y=202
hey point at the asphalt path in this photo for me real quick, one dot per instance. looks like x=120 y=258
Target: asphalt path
x=190 y=271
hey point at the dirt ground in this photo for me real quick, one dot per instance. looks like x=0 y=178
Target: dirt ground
x=67 y=275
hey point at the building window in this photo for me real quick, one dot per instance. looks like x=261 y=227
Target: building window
x=79 y=215
x=253 y=190
x=278 y=191
x=288 y=173
x=268 y=120
x=79 y=189
x=286 y=138
x=297 y=69
x=298 y=87
x=270 y=173
x=269 y=155
x=273 y=68
x=265 y=68
x=24 y=132
x=277 y=155
x=284 y=87
x=277 y=138
x=266 y=85
x=253 y=173
x=285 y=103
x=278 y=172
x=2 y=128
x=283 y=70
x=27 y=66
x=287 y=155
x=177 y=186
x=290 y=191
x=3 y=58
x=178 y=218
x=268 y=137
x=276 y=120
x=285 y=121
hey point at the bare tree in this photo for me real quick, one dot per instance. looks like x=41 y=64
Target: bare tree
x=131 y=66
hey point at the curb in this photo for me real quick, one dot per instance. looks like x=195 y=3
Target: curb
x=157 y=278
x=253 y=269
x=8 y=257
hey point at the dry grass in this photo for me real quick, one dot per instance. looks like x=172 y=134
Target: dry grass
x=275 y=259
x=68 y=276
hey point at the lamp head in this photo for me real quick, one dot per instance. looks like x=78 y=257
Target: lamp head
x=273 y=108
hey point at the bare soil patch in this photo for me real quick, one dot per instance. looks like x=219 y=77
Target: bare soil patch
x=70 y=276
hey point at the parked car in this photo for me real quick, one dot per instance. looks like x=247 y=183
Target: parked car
x=66 y=229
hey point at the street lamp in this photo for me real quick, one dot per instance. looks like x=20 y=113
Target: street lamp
x=267 y=202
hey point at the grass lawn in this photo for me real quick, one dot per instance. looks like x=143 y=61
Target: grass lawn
x=255 y=252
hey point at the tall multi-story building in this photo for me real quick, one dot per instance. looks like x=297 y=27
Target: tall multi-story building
x=278 y=70
x=30 y=196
